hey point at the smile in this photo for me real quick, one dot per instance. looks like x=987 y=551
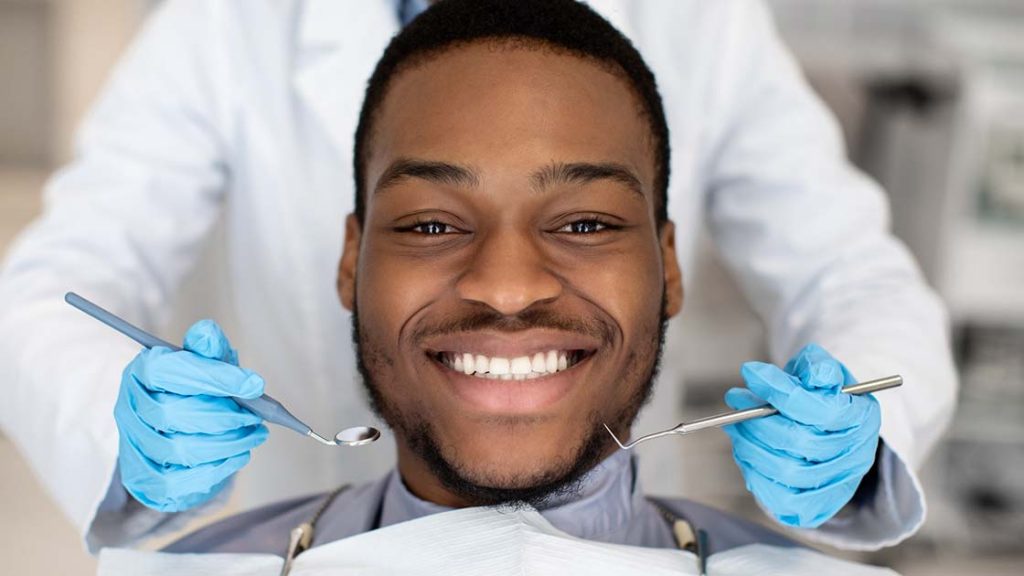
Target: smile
x=525 y=367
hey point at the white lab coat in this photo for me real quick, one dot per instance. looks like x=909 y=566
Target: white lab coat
x=238 y=115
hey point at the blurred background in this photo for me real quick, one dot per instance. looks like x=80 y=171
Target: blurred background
x=930 y=94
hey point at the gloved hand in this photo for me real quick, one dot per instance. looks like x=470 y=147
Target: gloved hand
x=806 y=462
x=181 y=435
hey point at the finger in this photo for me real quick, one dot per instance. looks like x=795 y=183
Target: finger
x=798 y=440
x=195 y=449
x=783 y=434
x=815 y=368
x=175 y=488
x=828 y=409
x=809 y=443
x=796 y=472
x=176 y=448
x=167 y=412
x=206 y=338
x=742 y=399
x=799 y=508
x=187 y=374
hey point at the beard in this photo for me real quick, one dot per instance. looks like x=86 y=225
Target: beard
x=563 y=479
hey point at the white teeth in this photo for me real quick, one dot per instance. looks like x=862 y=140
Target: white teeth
x=519 y=368
x=521 y=365
x=499 y=366
x=538 y=364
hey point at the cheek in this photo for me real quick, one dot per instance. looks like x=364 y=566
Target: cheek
x=391 y=289
x=626 y=285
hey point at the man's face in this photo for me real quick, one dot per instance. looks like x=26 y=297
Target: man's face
x=509 y=225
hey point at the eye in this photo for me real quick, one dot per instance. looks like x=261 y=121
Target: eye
x=429 y=228
x=586 y=226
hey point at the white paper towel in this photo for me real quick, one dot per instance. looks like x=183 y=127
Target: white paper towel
x=475 y=541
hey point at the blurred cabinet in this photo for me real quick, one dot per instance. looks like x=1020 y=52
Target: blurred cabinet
x=89 y=37
x=54 y=57
x=25 y=82
x=931 y=96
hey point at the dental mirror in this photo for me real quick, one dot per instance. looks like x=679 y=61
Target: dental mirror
x=354 y=436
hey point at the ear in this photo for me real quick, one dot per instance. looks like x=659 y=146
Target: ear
x=673 y=274
x=349 y=263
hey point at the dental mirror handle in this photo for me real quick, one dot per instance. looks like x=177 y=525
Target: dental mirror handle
x=736 y=416
x=265 y=406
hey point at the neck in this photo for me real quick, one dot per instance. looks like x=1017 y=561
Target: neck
x=421 y=480
x=608 y=507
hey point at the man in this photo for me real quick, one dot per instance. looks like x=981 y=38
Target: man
x=510 y=268
x=238 y=112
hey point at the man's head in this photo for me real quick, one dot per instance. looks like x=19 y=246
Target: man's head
x=511 y=167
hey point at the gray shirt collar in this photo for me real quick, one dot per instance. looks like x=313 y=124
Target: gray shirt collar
x=610 y=506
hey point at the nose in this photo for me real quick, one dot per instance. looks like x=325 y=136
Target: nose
x=508 y=272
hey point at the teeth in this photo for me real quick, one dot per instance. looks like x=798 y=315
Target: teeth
x=538 y=364
x=499 y=366
x=521 y=365
x=518 y=368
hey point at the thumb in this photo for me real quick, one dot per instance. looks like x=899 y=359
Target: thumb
x=742 y=398
x=207 y=339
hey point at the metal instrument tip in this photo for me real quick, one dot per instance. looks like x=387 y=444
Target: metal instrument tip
x=616 y=438
x=320 y=438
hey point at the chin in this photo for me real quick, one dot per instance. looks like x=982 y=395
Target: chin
x=515 y=445
x=514 y=467
x=513 y=470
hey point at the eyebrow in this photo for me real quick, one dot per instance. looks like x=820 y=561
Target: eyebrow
x=437 y=172
x=585 y=173
x=465 y=177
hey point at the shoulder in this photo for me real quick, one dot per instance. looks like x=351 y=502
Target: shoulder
x=725 y=531
x=265 y=530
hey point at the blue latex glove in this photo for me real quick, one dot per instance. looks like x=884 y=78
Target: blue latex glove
x=181 y=435
x=805 y=463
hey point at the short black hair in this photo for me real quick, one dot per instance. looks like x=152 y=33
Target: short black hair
x=562 y=25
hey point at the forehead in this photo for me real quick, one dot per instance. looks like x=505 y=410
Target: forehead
x=513 y=106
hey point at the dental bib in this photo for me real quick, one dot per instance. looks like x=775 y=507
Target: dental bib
x=474 y=541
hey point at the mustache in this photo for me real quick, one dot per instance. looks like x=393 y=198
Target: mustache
x=485 y=318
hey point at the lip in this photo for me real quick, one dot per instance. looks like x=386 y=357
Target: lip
x=512 y=397
x=512 y=345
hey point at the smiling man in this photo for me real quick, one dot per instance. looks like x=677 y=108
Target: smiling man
x=510 y=268
x=510 y=265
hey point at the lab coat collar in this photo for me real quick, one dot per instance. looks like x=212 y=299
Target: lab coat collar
x=329 y=23
x=339 y=46
x=608 y=504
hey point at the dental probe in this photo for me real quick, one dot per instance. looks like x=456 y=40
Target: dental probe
x=737 y=416
x=266 y=407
